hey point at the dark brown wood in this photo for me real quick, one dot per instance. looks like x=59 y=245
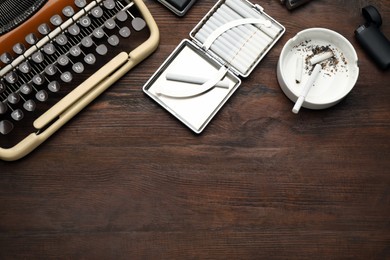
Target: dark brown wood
x=126 y=180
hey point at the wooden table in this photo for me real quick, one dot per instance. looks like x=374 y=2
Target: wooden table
x=125 y=180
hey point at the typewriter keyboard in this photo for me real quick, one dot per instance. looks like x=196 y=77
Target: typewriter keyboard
x=59 y=55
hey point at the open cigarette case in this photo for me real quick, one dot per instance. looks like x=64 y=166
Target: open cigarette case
x=201 y=74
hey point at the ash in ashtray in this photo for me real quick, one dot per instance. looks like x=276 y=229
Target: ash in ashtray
x=331 y=65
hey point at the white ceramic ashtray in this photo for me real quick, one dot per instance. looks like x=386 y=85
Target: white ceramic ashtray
x=334 y=77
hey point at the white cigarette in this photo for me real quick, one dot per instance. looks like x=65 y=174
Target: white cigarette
x=237 y=34
x=229 y=34
x=239 y=44
x=299 y=69
x=320 y=57
x=254 y=38
x=234 y=46
x=187 y=92
x=316 y=71
x=194 y=79
x=228 y=14
x=246 y=11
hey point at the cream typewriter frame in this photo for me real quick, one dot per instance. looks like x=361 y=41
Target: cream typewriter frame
x=85 y=93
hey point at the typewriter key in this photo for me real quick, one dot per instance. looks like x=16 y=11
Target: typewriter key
x=63 y=60
x=110 y=24
x=75 y=51
x=54 y=86
x=38 y=80
x=68 y=11
x=31 y=39
x=13 y=98
x=87 y=41
x=66 y=77
x=80 y=3
x=56 y=20
x=50 y=70
x=49 y=49
x=29 y=105
x=98 y=33
x=97 y=12
x=44 y=29
x=90 y=59
x=121 y=16
x=25 y=67
x=125 y=32
x=19 y=48
x=11 y=77
x=17 y=115
x=78 y=67
x=6 y=127
x=109 y=4
x=102 y=49
x=37 y=57
x=85 y=21
x=42 y=95
x=6 y=58
x=74 y=29
x=25 y=89
x=61 y=39
x=138 y=23
x=113 y=40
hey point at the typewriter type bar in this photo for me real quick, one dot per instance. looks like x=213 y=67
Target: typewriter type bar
x=228 y=42
x=73 y=54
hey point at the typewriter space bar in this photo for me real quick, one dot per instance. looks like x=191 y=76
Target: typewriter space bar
x=81 y=90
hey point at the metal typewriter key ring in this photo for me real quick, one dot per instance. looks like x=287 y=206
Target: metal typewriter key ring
x=61 y=58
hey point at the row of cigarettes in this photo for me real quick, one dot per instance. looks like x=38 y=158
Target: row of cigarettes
x=243 y=45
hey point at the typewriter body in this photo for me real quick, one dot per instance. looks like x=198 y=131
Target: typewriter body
x=56 y=56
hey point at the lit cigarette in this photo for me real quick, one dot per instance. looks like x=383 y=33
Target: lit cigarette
x=299 y=69
x=306 y=89
x=194 y=79
x=320 y=57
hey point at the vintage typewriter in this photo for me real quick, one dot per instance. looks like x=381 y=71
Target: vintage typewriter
x=56 y=56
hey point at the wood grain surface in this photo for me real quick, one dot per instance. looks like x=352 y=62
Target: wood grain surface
x=125 y=180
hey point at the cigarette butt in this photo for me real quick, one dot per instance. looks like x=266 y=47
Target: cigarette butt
x=320 y=57
x=299 y=69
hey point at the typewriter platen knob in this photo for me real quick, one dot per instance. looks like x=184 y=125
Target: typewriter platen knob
x=14 y=13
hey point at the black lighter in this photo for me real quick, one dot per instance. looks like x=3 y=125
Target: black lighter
x=372 y=39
